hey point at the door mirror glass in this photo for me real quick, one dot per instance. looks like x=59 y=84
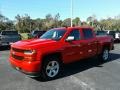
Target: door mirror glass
x=70 y=38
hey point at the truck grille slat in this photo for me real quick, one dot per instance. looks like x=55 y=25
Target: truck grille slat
x=17 y=57
x=17 y=50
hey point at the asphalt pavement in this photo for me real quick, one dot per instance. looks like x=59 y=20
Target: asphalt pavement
x=85 y=75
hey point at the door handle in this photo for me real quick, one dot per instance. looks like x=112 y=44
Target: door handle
x=89 y=43
x=95 y=41
x=79 y=45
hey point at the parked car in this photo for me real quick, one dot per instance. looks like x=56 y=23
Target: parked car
x=114 y=34
x=9 y=36
x=46 y=55
x=102 y=32
x=36 y=34
x=117 y=36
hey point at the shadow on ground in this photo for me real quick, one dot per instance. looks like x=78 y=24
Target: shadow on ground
x=117 y=41
x=4 y=48
x=83 y=65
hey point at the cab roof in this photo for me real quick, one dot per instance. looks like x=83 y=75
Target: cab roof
x=80 y=27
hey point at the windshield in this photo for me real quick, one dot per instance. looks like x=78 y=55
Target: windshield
x=54 y=34
x=9 y=33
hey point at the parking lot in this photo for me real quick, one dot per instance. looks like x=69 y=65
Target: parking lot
x=85 y=75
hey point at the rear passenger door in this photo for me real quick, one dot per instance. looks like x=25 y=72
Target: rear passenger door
x=90 y=43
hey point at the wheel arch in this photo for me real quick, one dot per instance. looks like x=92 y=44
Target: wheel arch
x=55 y=54
x=106 y=45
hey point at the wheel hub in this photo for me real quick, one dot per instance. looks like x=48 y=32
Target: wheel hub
x=52 y=68
x=105 y=55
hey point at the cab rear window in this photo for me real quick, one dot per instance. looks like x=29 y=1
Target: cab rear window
x=87 y=33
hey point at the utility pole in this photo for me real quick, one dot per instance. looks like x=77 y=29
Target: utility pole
x=71 y=13
x=0 y=9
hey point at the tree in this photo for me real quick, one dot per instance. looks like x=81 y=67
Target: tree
x=66 y=22
x=91 y=19
x=5 y=23
x=26 y=24
x=49 y=17
x=23 y=23
x=76 y=21
x=56 y=20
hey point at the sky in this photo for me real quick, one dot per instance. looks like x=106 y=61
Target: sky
x=40 y=8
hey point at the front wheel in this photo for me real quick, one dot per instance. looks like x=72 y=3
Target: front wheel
x=51 y=68
x=104 y=56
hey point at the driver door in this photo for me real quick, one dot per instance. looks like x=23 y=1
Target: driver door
x=72 y=46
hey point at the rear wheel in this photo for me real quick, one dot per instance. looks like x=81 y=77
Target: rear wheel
x=104 y=56
x=51 y=68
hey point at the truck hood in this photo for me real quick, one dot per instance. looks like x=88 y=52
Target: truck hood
x=33 y=43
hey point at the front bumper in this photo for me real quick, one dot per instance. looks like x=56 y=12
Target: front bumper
x=31 y=74
x=29 y=68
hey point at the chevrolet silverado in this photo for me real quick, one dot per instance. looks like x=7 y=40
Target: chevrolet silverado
x=46 y=55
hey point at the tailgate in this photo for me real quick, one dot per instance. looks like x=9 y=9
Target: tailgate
x=10 y=38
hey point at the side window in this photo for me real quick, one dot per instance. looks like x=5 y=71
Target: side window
x=87 y=33
x=75 y=33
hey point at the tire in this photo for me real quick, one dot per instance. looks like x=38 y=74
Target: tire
x=104 y=56
x=51 y=68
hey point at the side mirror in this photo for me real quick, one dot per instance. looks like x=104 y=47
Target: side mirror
x=70 y=38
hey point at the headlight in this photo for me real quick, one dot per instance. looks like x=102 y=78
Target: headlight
x=29 y=52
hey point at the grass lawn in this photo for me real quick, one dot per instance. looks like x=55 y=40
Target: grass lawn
x=24 y=36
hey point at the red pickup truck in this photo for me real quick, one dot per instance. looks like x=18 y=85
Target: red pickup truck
x=46 y=55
